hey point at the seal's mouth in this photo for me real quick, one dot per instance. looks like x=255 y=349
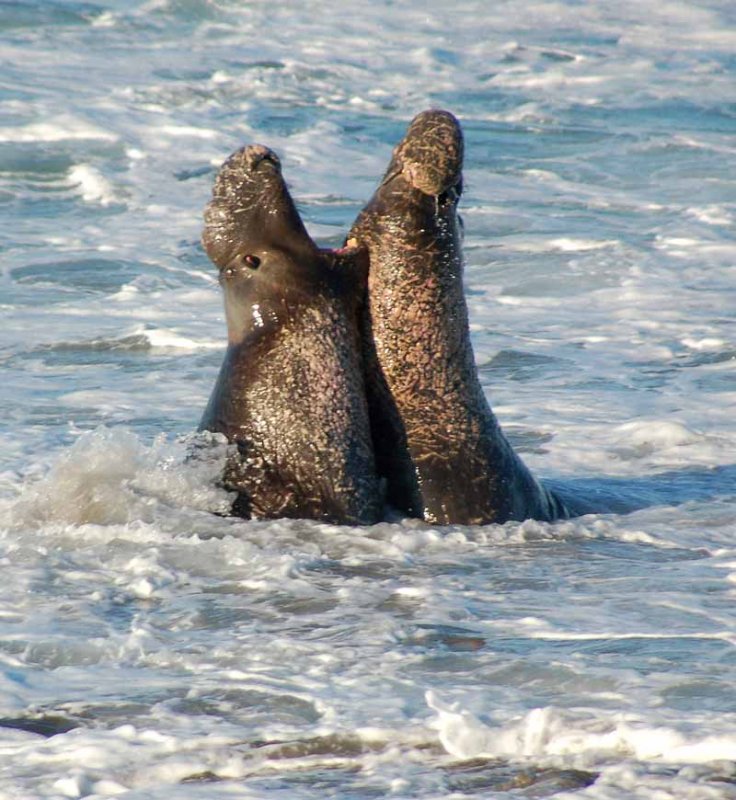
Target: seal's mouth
x=451 y=194
x=429 y=186
x=430 y=156
x=350 y=246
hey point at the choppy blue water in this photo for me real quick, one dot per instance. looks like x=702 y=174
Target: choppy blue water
x=175 y=653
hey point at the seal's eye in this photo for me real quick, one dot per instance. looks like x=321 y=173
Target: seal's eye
x=252 y=261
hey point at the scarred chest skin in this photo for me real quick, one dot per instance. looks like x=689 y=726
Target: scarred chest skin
x=290 y=392
x=437 y=441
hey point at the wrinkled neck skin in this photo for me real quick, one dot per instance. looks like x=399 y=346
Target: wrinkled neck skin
x=416 y=279
x=291 y=396
x=416 y=305
x=437 y=440
x=419 y=361
x=272 y=338
x=258 y=304
x=290 y=393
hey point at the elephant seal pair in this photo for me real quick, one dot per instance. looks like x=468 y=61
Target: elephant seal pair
x=291 y=392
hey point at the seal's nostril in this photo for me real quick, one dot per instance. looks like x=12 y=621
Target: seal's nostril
x=265 y=156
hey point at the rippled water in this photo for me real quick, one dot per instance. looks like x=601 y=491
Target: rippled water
x=150 y=648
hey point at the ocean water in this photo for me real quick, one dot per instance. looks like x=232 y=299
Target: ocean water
x=152 y=649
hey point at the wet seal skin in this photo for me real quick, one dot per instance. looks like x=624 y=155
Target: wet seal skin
x=437 y=441
x=290 y=393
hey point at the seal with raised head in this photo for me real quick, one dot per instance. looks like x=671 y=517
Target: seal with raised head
x=290 y=393
x=437 y=441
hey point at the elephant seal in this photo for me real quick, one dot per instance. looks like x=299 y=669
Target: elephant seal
x=437 y=441
x=290 y=393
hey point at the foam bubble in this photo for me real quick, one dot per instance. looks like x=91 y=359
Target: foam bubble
x=705 y=344
x=168 y=339
x=656 y=434
x=711 y=215
x=188 y=131
x=109 y=476
x=57 y=130
x=561 y=244
x=93 y=186
x=545 y=732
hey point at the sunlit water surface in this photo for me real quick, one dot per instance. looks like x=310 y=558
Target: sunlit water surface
x=152 y=649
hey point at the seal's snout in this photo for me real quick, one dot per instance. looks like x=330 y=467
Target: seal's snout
x=248 y=177
x=244 y=165
x=431 y=153
x=256 y=155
